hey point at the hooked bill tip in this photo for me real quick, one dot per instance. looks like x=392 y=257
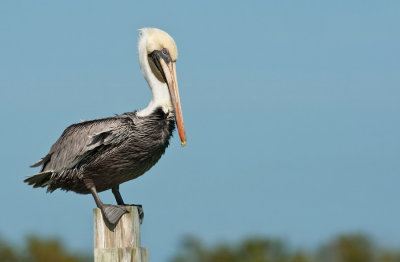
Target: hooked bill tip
x=183 y=143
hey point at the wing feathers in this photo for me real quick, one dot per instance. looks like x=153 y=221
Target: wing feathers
x=42 y=161
x=77 y=145
x=78 y=140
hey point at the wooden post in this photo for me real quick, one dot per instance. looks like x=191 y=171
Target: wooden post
x=122 y=244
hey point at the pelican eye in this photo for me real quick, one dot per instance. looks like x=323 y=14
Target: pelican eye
x=165 y=51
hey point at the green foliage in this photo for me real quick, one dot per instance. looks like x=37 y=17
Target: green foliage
x=354 y=248
x=345 y=248
x=39 y=250
x=249 y=250
x=7 y=254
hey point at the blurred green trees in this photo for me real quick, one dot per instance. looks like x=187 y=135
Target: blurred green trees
x=39 y=250
x=345 y=248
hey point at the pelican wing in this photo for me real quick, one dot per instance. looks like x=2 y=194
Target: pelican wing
x=80 y=140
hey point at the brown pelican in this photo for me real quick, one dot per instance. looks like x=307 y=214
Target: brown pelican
x=97 y=155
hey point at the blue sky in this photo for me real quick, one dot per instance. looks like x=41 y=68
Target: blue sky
x=291 y=110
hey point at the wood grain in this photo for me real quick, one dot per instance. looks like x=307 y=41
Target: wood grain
x=121 y=244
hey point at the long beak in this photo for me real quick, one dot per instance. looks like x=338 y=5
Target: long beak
x=170 y=75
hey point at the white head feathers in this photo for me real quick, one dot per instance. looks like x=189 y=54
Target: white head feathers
x=151 y=39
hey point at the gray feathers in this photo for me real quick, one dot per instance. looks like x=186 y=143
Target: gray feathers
x=41 y=161
x=107 y=151
x=39 y=180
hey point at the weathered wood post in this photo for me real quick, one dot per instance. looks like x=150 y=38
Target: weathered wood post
x=122 y=244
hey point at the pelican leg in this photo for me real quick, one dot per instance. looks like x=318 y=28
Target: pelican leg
x=111 y=213
x=117 y=195
x=120 y=201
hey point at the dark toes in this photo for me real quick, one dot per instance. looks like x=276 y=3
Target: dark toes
x=141 y=214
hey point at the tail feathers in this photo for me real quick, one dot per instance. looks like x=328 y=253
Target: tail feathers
x=41 y=179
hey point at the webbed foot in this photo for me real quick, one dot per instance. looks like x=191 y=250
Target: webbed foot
x=140 y=210
x=120 y=202
x=112 y=214
x=141 y=213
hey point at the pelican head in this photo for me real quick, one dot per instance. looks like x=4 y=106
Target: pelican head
x=157 y=57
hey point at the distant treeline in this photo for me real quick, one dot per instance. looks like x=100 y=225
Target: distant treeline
x=343 y=248
x=40 y=250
